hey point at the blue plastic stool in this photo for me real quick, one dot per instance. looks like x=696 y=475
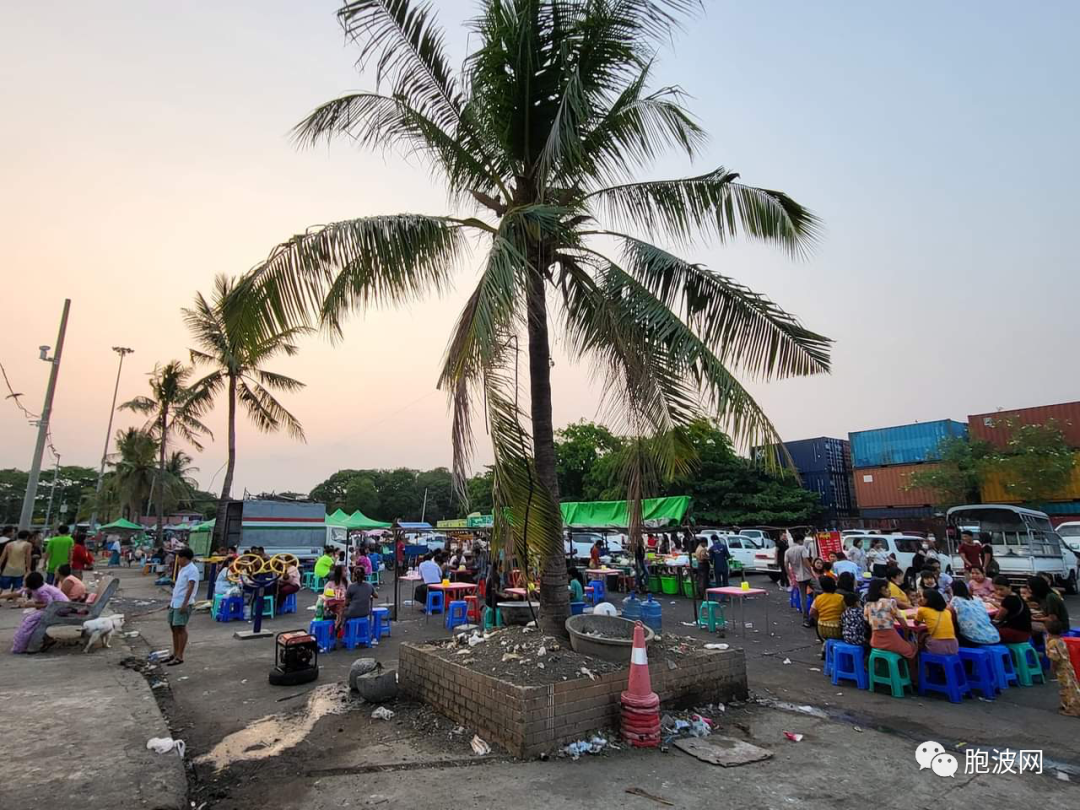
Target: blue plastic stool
x=979 y=670
x=1026 y=663
x=375 y=560
x=577 y=608
x=218 y=599
x=830 y=652
x=1004 y=671
x=435 y=599
x=457 y=614
x=945 y=674
x=323 y=631
x=380 y=622
x=599 y=587
x=357 y=632
x=230 y=609
x=289 y=605
x=847 y=663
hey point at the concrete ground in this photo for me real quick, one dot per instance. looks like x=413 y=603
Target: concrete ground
x=289 y=747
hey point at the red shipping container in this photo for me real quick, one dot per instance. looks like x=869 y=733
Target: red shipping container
x=877 y=487
x=992 y=427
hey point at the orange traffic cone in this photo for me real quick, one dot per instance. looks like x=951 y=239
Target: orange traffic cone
x=639 y=693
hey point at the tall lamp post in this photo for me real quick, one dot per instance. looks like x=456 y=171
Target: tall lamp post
x=120 y=350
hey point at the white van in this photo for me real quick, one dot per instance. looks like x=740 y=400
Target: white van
x=900 y=546
x=1070 y=534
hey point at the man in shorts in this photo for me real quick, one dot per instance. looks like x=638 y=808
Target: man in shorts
x=187 y=582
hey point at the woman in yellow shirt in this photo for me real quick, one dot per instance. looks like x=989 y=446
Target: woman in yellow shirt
x=940 y=638
x=895 y=576
x=827 y=607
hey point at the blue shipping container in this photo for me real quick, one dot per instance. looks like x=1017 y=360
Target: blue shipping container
x=900 y=513
x=905 y=444
x=822 y=454
x=835 y=490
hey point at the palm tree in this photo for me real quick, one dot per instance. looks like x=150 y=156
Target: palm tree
x=237 y=355
x=174 y=410
x=179 y=483
x=541 y=141
x=133 y=470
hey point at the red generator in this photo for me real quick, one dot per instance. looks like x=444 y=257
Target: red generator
x=296 y=658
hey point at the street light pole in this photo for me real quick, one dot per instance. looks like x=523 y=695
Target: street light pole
x=120 y=350
x=43 y=424
x=52 y=492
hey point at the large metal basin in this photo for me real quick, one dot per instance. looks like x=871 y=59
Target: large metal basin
x=518 y=612
x=607 y=637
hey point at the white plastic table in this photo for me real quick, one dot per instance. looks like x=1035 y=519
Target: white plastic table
x=732 y=591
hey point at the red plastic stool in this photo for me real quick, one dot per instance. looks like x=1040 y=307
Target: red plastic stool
x=473 y=609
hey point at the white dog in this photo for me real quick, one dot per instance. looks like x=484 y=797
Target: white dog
x=102 y=629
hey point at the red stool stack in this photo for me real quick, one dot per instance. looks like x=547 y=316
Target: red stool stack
x=473 y=610
x=640 y=704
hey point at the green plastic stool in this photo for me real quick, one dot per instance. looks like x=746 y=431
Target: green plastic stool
x=268 y=608
x=710 y=616
x=897 y=674
x=1026 y=663
x=654 y=583
x=308 y=579
x=318 y=583
x=218 y=599
x=489 y=624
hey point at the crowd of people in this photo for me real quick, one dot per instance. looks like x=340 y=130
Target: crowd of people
x=868 y=601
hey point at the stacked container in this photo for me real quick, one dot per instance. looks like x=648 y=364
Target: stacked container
x=884 y=461
x=824 y=467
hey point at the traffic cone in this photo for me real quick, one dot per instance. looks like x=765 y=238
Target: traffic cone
x=640 y=704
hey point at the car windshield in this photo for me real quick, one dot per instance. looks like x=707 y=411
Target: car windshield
x=1069 y=531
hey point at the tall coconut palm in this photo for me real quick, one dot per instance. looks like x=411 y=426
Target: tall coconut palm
x=133 y=470
x=174 y=410
x=178 y=482
x=237 y=354
x=541 y=142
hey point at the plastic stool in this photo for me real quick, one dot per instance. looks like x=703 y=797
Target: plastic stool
x=435 y=599
x=847 y=663
x=953 y=682
x=830 y=653
x=979 y=670
x=318 y=583
x=380 y=622
x=307 y=579
x=590 y=595
x=323 y=631
x=493 y=618
x=577 y=608
x=599 y=587
x=357 y=632
x=267 y=609
x=1026 y=662
x=457 y=614
x=473 y=611
x=230 y=609
x=711 y=615
x=289 y=605
x=1004 y=671
x=218 y=599
x=894 y=678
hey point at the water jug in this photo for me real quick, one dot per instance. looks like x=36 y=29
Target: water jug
x=631 y=608
x=650 y=614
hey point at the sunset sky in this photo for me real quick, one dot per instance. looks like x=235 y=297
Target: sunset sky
x=145 y=149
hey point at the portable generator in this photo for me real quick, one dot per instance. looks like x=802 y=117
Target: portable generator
x=296 y=658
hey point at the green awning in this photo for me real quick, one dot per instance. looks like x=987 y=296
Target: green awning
x=358 y=521
x=655 y=512
x=123 y=525
x=337 y=519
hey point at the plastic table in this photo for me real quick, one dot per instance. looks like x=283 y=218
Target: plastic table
x=745 y=592
x=450 y=591
x=413 y=577
x=517 y=592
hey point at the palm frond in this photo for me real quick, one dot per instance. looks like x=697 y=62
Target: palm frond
x=745 y=329
x=143 y=405
x=711 y=203
x=278 y=382
x=266 y=412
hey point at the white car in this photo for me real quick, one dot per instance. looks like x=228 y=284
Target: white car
x=901 y=546
x=1070 y=534
x=744 y=549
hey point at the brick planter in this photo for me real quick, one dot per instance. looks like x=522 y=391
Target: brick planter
x=527 y=720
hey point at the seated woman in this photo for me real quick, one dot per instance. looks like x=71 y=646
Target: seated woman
x=973 y=625
x=40 y=596
x=358 y=599
x=940 y=638
x=980 y=586
x=288 y=584
x=827 y=609
x=1013 y=621
x=894 y=577
x=845 y=583
x=334 y=592
x=1049 y=605
x=883 y=615
x=361 y=562
x=577 y=593
x=70 y=585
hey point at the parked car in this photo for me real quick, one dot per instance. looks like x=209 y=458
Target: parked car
x=754 y=558
x=579 y=545
x=1070 y=534
x=900 y=546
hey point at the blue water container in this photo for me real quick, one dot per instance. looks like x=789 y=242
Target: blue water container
x=650 y=614
x=631 y=608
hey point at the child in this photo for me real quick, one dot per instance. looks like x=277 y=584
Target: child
x=927 y=582
x=852 y=622
x=1058 y=653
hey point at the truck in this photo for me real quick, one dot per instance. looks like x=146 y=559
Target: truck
x=280 y=527
x=1024 y=541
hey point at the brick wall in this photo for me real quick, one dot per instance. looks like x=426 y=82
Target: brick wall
x=526 y=720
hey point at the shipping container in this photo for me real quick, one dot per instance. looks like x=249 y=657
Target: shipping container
x=902 y=513
x=835 y=490
x=992 y=427
x=877 y=487
x=823 y=454
x=903 y=444
x=1061 y=508
x=995 y=489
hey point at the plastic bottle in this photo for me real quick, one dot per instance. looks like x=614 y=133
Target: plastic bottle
x=319 y=610
x=631 y=607
x=651 y=614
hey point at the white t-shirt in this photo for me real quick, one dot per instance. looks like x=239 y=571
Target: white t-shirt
x=189 y=573
x=431 y=572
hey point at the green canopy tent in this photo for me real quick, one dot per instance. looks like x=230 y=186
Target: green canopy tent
x=337 y=519
x=122 y=525
x=358 y=521
x=655 y=512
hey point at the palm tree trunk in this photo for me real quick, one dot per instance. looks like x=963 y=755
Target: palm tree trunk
x=230 y=466
x=161 y=480
x=554 y=595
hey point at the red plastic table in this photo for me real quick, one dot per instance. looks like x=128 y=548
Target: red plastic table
x=518 y=593
x=731 y=591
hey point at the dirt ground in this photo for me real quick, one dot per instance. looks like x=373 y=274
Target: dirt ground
x=305 y=746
